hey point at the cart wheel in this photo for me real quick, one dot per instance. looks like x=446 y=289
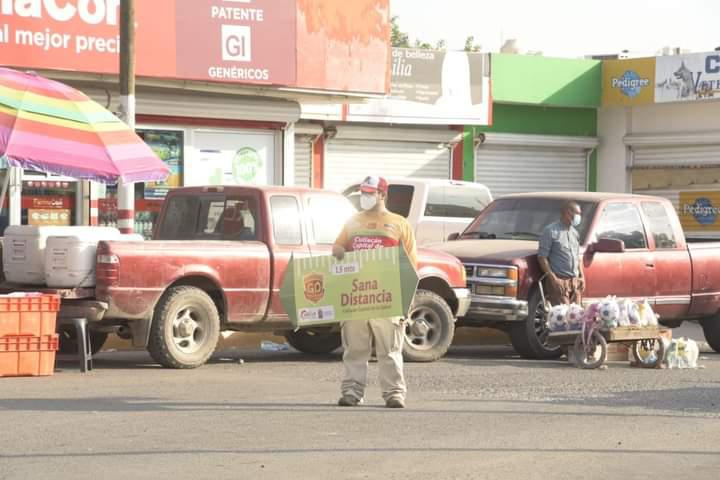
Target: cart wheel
x=648 y=353
x=592 y=354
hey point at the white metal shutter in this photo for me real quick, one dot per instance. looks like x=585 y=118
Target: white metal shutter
x=349 y=161
x=676 y=156
x=303 y=161
x=507 y=169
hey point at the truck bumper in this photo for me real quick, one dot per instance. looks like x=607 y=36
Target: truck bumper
x=485 y=307
x=464 y=300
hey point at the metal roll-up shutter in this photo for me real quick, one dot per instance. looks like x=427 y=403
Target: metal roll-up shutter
x=508 y=163
x=303 y=161
x=349 y=161
x=679 y=150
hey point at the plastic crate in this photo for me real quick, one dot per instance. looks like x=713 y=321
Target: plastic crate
x=30 y=314
x=26 y=355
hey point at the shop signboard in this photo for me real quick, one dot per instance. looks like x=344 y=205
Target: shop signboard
x=247 y=41
x=49 y=217
x=231 y=158
x=692 y=77
x=168 y=146
x=628 y=82
x=699 y=211
x=367 y=284
x=427 y=87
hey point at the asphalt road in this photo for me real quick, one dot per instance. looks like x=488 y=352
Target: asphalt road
x=481 y=412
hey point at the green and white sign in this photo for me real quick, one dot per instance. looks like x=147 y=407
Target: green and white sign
x=367 y=284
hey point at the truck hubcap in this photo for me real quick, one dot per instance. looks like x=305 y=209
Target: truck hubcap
x=188 y=331
x=423 y=329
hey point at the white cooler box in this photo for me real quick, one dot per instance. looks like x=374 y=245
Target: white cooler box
x=70 y=259
x=24 y=250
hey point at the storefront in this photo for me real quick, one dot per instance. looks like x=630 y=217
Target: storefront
x=412 y=133
x=661 y=136
x=219 y=110
x=543 y=134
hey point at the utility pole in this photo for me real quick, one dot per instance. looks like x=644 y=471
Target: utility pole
x=126 y=192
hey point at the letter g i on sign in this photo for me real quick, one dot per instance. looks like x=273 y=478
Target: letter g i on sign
x=236 y=43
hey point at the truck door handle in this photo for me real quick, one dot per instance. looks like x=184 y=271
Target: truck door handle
x=650 y=265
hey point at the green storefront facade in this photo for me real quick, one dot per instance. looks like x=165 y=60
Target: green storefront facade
x=544 y=126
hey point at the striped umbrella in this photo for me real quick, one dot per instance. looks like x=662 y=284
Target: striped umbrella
x=50 y=127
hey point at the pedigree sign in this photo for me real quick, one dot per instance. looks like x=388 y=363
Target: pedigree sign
x=247 y=41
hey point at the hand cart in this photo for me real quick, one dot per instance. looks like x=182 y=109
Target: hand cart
x=588 y=347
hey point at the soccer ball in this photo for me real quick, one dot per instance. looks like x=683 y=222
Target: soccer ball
x=574 y=317
x=610 y=312
x=557 y=318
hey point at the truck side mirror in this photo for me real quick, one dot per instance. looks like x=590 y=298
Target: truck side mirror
x=607 y=245
x=453 y=236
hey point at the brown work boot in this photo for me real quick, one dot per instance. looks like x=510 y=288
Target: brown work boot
x=395 y=402
x=348 y=401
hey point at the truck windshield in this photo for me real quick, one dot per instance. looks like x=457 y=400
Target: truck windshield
x=523 y=218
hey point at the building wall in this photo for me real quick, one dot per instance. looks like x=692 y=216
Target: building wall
x=538 y=120
x=538 y=80
x=614 y=123
x=542 y=96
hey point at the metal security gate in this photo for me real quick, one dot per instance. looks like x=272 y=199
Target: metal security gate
x=349 y=161
x=508 y=163
x=303 y=161
x=685 y=169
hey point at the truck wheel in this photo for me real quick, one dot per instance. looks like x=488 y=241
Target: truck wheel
x=314 y=341
x=430 y=331
x=529 y=338
x=69 y=343
x=711 y=329
x=185 y=328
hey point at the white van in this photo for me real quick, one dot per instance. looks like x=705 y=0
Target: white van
x=434 y=207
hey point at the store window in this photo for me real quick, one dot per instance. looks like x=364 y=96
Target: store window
x=168 y=145
x=47 y=200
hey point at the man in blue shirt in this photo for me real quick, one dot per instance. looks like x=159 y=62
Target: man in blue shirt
x=559 y=257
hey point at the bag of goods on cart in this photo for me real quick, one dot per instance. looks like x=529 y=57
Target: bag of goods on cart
x=647 y=316
x=682 y=353
x=575 y=316
x=624 y=318
x=557 y=321
x=609 y=312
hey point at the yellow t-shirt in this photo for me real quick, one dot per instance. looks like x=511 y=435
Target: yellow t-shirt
x=368 y=230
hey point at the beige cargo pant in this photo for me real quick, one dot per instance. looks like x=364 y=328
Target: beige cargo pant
x=357 y=339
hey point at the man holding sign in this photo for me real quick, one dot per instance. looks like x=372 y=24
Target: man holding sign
x=374 y=227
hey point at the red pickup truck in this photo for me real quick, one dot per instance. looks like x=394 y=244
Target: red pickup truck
x=632 y=246
x=216 y=262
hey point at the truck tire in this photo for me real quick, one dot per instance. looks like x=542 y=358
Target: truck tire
x=711 y=329
x=185 y=328
x=431 y=328
x=528 y=337
x=69 y=343
x=314 y=341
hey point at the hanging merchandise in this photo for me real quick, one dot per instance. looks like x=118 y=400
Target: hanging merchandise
x=557 y=321
x=610 y=312
x=575 y=316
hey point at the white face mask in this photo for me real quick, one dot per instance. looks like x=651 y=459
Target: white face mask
x=368 y=201
x=577 y=219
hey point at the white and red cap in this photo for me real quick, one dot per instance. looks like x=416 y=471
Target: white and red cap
x=374 y=184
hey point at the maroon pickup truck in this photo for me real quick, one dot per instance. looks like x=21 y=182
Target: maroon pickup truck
x=632 y=246
x=216 y=263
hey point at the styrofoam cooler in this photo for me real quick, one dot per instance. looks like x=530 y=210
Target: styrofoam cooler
x=24 y=251
x=70 y=259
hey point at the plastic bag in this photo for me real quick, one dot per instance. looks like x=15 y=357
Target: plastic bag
x=682 y=353
x=624 y=318
x=574 y=317
x=557 y=321
x=647 y=316
x=633 y=313
x=609 y=312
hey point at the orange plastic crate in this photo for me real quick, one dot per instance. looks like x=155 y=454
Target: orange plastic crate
x=33 y=315
x=25 y=355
